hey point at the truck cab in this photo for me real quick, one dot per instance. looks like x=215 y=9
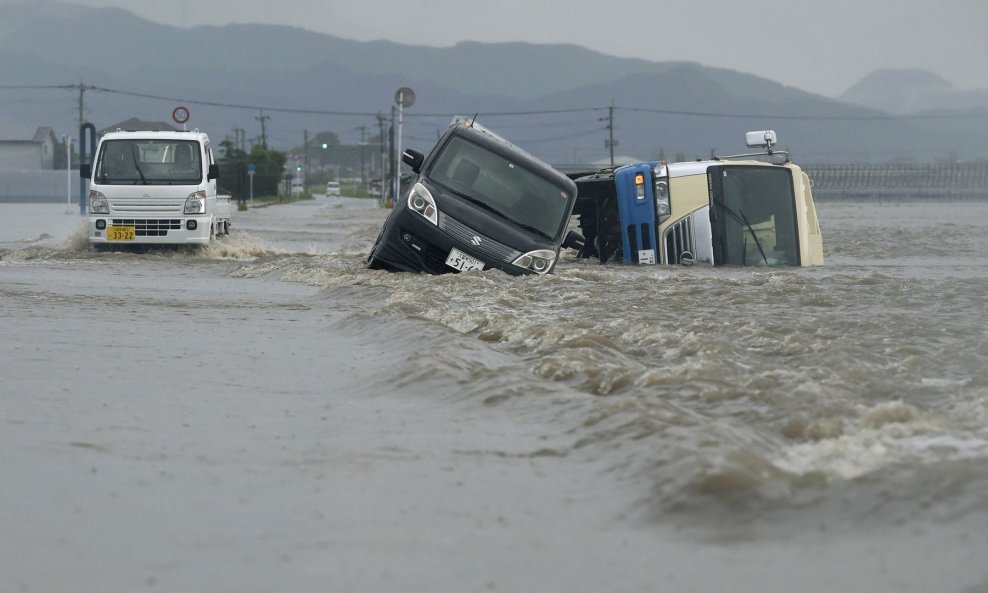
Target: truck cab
x=744 y=210
x=155 y=188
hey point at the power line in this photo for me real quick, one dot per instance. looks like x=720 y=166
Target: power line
x=39 y=86
x=609 y=109
x=805 y=117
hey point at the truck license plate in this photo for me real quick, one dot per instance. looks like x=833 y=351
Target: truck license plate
x=119 y=233
x=463 y=262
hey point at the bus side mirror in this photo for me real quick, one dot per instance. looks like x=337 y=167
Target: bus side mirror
x=413 y=159
x=85 y=171
x=214 y=172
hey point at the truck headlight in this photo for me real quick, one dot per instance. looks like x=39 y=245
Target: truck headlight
x=196 y=203
x=539 y=261
x=98 y=203
x=420 y=201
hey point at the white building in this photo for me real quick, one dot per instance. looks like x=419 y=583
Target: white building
x=36 y=154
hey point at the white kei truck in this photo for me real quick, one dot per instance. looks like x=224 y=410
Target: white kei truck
x=150 y=187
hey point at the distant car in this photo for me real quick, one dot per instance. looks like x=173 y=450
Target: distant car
x=332 y=188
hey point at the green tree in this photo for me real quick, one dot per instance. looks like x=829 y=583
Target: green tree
x=269 y=166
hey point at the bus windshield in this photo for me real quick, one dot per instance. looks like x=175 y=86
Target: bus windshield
x=753 y=216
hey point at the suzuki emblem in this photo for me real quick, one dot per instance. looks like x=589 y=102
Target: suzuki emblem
x=475 y=240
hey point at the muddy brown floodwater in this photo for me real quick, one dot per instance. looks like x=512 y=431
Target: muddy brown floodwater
x=267 y=415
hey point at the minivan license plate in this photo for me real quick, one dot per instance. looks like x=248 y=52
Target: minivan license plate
x=463 y=262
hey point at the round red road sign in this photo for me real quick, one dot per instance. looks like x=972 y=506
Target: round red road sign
x=180 y=114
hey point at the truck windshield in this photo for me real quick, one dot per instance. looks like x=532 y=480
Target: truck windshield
x=501 y=186
x=753 y=216
x=149 y=162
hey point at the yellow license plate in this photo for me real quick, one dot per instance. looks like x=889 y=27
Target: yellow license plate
x=119 y=233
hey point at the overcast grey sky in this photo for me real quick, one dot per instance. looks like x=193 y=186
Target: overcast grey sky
x=822 y=46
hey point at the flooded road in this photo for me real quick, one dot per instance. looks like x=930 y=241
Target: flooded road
x=266 y=414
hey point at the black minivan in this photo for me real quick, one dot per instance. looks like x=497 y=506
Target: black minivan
x=477 y=202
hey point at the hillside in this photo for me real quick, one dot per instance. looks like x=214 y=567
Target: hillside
x=315 y=82
x=913 y=91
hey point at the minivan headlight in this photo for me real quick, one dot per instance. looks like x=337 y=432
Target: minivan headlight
x=539 y=261
x=98 y=203
x=196 y=203
x=420 y=201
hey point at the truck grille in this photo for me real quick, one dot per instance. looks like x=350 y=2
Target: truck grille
x=680 y=239
x=145 y=207
x=150 y=227
x=477 y=241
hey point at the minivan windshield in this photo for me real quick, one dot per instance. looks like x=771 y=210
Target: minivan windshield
x=149 y=162
x=501 y=186
x=753 y=216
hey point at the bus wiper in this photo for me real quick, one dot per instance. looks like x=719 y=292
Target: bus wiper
x=133 y=154
x=739 y=217
x=754 y=236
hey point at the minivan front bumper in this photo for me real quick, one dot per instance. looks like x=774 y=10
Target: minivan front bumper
x=410 y=243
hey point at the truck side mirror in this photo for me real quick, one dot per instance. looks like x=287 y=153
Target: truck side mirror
x=85 y=171
x=413 y=159
x=214 y=172
x=574 y=240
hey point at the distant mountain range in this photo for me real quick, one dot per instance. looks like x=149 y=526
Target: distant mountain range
x=554 y=100
x=914 y=91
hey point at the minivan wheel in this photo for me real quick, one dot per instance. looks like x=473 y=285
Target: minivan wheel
x=374 y=263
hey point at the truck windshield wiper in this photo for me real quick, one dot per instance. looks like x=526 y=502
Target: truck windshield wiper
x=740 y=218
x=133 y=154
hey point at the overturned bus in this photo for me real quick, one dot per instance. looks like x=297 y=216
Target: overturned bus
x=743 y=210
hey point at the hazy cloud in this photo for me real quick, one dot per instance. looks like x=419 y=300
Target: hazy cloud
x=818 y=46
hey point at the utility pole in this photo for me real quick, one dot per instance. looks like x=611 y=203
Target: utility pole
x=305 y=156
x=363 y=175
x=610 y=142
x=393 y=162
x=82 y=92
x=264 y=136
x=380 y=123
x=238 y=138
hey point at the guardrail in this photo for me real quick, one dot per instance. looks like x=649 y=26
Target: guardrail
x=950 y=181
